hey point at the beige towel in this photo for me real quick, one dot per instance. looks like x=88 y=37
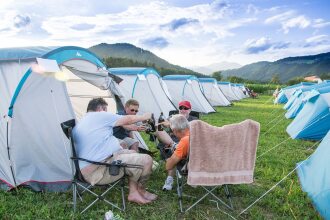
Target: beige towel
x=222 y=155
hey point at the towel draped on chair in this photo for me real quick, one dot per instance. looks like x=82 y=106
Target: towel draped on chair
x=222 y=155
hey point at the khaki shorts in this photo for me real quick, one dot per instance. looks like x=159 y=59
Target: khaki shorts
x=98 y=174
x=127 y=142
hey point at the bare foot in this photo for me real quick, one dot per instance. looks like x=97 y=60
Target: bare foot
x=150 y=196
x=137 y=198
x=147 y=195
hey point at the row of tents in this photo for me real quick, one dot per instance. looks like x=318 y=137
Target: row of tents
x=41 y=87
x=163 y=93
x=308 y=104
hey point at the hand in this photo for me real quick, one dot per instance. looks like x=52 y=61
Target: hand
x=165 y=123
x=146 y=116
x=141 y=128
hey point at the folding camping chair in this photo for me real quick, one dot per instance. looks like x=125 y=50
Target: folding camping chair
x=181 y=180
x=78 y=180
x=218 y=156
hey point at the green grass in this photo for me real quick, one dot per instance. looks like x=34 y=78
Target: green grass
x=286 y=201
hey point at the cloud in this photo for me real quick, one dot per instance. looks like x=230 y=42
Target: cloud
x=281 y=45
x=177 y=23
x=83 y=26
x=21 y=21
x=317 y=40
x=320 y=23
x=155 y=42
x=299 y=22
x=280 y=17
x=255 y=46
x=289 y=20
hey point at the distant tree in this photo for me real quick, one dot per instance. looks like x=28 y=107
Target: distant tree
x=295 y=80
x=217 y=75
x=324 y=76
x=235 y=79
x=275 y=79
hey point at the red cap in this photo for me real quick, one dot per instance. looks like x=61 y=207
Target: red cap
x=185 y=104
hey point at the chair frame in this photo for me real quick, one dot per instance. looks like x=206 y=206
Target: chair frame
x=78 y=181
x=181 y=180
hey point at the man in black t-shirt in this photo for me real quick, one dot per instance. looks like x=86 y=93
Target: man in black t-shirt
x=124 y=133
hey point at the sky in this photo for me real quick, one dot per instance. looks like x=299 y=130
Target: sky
x=183 y=32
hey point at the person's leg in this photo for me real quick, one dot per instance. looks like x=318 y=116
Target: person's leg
x=134 y=195
x=164 y=137
x=130 y=143
x=168 y=185
x=143 y=179
x=137 y=175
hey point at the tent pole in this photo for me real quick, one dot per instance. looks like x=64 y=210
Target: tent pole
x=11 y=164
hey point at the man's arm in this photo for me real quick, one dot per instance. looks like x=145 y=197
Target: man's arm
x=131 y=119
x=172 y=162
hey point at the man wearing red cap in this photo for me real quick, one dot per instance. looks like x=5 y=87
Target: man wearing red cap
x=169 y=141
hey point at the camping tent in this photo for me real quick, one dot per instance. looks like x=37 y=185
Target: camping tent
x=238 y=90
x=33 y=149
x=314 y=176
x=287 y=92
x=146 y=86
x=313 y=121
x=227 y=89
x=187 y=87
x=212 y=92
x=297 y=101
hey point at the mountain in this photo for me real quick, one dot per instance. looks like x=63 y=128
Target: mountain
x=129 y=51
x=209 y=69
x=285 y=69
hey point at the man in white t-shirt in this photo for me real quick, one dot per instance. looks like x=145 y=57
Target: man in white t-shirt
x=94 y=140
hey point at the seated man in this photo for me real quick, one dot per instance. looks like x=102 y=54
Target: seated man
x=94 y=141
x=180 y=127
x=124 y=133
x=169 y=141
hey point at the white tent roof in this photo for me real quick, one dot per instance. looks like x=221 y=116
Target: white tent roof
x=212 y=92
x=187 y=87
x=228 y=91
x=34 y=104
x=144 y=85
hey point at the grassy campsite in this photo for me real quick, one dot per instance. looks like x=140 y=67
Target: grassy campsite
x=277 y=155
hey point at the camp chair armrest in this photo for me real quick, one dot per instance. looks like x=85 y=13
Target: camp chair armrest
x=107 y=164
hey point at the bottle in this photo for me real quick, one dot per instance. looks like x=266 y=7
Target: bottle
x=160 y=120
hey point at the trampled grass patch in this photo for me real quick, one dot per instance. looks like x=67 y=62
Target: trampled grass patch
x=277 y=156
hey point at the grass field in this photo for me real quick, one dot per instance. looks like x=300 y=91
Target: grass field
x=286 y=201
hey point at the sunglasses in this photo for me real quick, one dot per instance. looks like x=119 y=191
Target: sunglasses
x=183 y=108
x=134 y=110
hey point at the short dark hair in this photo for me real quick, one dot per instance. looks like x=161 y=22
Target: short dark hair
x=95 y=103
x=131 y=102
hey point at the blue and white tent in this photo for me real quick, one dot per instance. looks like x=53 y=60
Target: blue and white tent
x=287 y=92
x=146 y=86
x=212 y=92
x=313 y=121
x=228 y=90
x=314 y=176
x=297 y=101
x=187 y=87
x=41 y=87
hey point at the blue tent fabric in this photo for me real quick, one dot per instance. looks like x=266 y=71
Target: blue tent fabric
x=300 y=99
x=313 y=121
x=282 y=96
x=180 y=77
x=133 y=71
x=314 y=176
